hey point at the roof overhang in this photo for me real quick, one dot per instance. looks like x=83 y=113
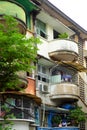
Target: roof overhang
x=54 y=109
x=55 y=12
x=75 y=65
x=55 y=23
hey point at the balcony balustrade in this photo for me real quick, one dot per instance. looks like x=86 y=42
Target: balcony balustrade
x=21 y=24
x=63 y=50
x=63 y=88
x=23 y=81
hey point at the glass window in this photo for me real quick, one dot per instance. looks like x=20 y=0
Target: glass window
x=41 y=28
x=36 y=111
x=39 y=78
x=43 y=79
x=39 y=68
x=55 y=34
x=18 y=102
x=43 y=74
x=20 y=106
x=43 y=69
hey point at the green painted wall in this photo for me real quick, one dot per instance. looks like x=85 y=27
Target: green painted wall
x=12 y=9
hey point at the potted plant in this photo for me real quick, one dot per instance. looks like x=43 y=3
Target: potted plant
x=63 y=35
x=76 y=116
x=56 y=119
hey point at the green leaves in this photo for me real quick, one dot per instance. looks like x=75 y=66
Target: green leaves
x=16 y=52
x=77 y=114
x=6 y=124
x=63 y=35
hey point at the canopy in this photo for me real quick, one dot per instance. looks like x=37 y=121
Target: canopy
x=75 y=65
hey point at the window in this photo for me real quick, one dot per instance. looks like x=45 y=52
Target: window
x=43 y=69
x=43 y=74
x=21 y=107
x=41 y=28
x=55 y=34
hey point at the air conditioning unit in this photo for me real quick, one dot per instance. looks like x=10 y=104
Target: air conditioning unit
x=44 y=88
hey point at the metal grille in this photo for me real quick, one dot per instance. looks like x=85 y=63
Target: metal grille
x=82 y=88
x=82 y=126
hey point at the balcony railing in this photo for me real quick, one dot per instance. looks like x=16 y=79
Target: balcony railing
x=21 y=24
x=63 y=50
x=22 y=107
x=64 y=88
x=23 y=82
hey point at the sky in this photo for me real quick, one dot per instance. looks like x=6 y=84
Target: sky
x=75 y=9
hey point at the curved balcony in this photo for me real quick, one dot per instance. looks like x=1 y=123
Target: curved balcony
x=20 y=82
x=23 y=82
x=23 y=107
x=63 y=50
x=21 y=24
x=64 y=92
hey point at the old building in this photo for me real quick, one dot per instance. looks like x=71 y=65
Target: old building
x=61 y=81
x=60 y=76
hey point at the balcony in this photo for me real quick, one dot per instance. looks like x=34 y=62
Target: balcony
x=18 y=82
x=63 y=91
x=63 y=50
x=23 y=107
x=23 y=82
x=21 y=24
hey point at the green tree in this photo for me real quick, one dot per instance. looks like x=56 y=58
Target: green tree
x=16 y=53
x=6 y=124
x=77 y=115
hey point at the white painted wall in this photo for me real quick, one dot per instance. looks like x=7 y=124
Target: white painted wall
x=49 y=32
x=21 y=125
x=43 y=48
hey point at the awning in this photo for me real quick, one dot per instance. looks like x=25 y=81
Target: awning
x=75 y=65
x=52 y=108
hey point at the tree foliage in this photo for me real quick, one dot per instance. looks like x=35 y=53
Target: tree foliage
x=77 y=115
x=6 y=124
x=16 y=53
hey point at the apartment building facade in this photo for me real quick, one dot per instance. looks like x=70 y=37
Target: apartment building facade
x=61 y=64
x=59 y=80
